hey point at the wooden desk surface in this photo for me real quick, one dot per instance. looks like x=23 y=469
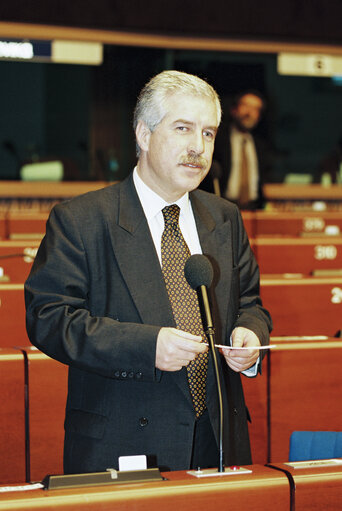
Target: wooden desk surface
x=48 y=189
x=315 y=191
x=263 y=489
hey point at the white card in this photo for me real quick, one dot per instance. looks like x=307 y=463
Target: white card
x=138 y=462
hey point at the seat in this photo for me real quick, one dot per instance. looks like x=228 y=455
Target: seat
x=315 y=445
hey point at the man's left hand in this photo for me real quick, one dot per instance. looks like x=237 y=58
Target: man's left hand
x=240 y=360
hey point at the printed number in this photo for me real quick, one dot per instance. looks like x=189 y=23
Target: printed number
x=325 y=252
x=30 y=254
x=336 y=293
x=313 y=224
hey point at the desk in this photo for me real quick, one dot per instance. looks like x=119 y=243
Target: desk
x=297 y=254
x=265 y=489
x=283 y=192
x=35 y=190
x=316 y=487
x=303 y=305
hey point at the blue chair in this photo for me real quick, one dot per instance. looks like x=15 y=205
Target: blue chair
x=315 y=445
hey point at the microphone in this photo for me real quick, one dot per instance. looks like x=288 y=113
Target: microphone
x=199 y=274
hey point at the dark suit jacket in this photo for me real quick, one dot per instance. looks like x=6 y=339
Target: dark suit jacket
x=222 y=164
x=96 y=301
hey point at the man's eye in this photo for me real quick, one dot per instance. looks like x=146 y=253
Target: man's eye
x=182 y=128
x=208 y=134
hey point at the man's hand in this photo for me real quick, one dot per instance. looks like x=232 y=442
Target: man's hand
x=176 y=348
x=240 y=360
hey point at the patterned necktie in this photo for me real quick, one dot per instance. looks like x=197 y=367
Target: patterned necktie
x=184 y=301
x=244 y=177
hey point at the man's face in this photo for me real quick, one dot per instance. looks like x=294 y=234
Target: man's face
x=177 y=155
x=247 y=113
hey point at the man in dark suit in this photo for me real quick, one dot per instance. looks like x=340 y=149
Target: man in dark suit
x=242 y=161
x=96 y=298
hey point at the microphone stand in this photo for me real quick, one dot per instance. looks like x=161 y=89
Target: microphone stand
x=210 y=333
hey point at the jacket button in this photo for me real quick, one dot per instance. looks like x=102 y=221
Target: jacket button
x=235 y=411
x=143 y=421
x=130 y=374
x=138 y=376
x=123 y=374
x=117 y=374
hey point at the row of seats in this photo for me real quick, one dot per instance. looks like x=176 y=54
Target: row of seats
x=30 y=224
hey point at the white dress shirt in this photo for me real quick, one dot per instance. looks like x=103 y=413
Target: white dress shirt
x=153 y=204
x=233 y=185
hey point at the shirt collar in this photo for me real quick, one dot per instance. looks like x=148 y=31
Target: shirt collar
x=152 y=203
x=240 y=134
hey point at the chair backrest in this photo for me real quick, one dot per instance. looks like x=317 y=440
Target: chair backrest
x=315 y=445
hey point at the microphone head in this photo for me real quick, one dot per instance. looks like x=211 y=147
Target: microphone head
x=198 y=271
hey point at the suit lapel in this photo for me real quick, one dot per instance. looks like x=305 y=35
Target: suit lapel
x=136 y=256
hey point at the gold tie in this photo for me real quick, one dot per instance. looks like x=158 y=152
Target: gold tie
x=184 y=301
x=244 y=177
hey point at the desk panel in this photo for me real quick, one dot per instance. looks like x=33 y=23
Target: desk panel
x=12 y=417
x=305 y=390
x=297 y=255
x=255 y=390
x=26 y=225
x=3 y=232
x=303 y=306
x=12 y=313
x=16 y=258
x=47 y=391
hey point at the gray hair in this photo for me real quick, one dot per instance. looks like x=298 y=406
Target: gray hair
x=151 y=104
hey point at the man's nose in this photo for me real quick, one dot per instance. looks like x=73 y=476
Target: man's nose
x=196 y=143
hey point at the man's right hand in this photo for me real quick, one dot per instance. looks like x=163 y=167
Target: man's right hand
x=176 y=348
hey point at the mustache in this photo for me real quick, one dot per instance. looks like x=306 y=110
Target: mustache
x=194 y=159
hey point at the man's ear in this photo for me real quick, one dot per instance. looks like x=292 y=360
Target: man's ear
x=143 y=134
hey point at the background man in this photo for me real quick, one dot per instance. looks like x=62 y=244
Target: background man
x=241 y=161
x=101 y=298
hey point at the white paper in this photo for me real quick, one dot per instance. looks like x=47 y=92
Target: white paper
x=268 y=347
